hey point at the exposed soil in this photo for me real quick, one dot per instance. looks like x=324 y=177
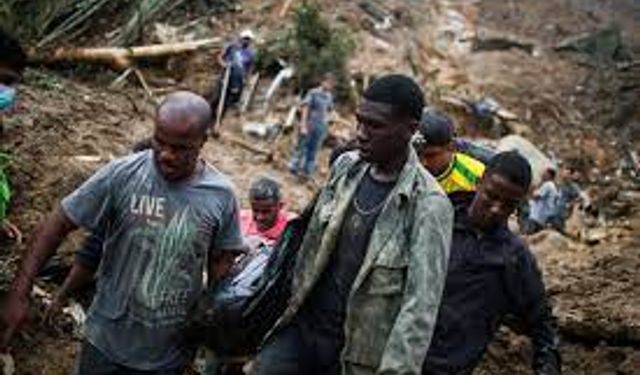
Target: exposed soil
x=66 y=128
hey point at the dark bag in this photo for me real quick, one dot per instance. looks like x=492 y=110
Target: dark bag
x=236 y=326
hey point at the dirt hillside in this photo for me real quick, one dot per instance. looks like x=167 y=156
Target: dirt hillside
x=69 y=123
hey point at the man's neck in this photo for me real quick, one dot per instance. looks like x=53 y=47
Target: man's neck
x=199 y=168
x=479 y=229
x=391 y=170
x=442 y=173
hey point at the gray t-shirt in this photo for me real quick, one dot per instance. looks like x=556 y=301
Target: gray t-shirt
x=158 y=236
x=320 y=103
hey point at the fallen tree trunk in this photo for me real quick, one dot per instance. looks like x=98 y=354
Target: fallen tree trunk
x=248 y=146
x=120 y=58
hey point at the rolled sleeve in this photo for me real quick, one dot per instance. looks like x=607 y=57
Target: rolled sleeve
x=411 y=334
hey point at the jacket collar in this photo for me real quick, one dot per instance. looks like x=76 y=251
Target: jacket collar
x=406 y=179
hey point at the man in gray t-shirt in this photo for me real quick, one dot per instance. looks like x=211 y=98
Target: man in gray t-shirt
x=167 y=216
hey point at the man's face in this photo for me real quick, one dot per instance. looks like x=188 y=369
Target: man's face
x=246 y=42
x=381 y=135
x=437 y=158
x=176 y=150
x=574 y=175
x=496 y=199
x=265 y=212
x=328 y=84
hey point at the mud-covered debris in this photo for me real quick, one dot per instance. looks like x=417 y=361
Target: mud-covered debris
x=486 y=41
x=261 y=130
x=382 y=18
x=604 y=44
x=8 y=364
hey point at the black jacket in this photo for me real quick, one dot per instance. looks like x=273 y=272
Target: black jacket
x=491 y=276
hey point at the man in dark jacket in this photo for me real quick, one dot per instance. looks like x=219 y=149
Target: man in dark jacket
x=491 y=274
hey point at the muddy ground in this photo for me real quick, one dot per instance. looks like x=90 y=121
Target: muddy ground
x=68 y=124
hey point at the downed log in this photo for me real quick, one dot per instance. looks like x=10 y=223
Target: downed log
x=248 y=146
x=143 y=82
x=120 y=58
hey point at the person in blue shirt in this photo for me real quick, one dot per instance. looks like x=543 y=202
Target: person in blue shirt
x=238 y=58
x=314 y=125
x=569 y=194
x=544 y=203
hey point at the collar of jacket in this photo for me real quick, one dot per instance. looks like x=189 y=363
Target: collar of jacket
x=406 y=179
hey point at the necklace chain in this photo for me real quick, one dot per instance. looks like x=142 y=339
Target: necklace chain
x=364 y=212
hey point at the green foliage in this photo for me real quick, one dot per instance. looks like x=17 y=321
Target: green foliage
x=313 y=46
x=45 y=21
x=44 y=80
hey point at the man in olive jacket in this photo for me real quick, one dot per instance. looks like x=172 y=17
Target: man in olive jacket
x=371 y=269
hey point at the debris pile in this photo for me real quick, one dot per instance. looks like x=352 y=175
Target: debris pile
x=552 y=85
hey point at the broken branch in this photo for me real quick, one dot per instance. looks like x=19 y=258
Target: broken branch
x=248 y=146
x=285 y=8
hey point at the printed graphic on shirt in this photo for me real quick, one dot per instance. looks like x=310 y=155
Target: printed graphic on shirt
x=169 y=263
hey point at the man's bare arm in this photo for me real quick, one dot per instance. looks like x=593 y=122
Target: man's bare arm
x=47 y=237
x=45 y=241
x=221 y=58
x=304 y=124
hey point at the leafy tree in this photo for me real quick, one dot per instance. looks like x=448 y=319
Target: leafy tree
x=313 y=46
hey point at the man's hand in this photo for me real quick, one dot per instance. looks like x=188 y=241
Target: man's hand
x=14 y=314
x=304 y=128
x=46 y=239
x=55 y=307
x=11 y=231
x=221 y=264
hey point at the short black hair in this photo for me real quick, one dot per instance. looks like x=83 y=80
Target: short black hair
x=265 y=188
x=436 y=128
x=513 y=166
x=11 y=53
x=552 y=173
x=400 y=91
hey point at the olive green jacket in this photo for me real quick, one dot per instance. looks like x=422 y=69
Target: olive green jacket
x=393 y=303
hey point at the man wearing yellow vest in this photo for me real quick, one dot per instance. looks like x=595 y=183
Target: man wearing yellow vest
x=435 y=143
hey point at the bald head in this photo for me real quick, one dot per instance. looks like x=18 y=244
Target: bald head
x=182 y=121
x=184 y=111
